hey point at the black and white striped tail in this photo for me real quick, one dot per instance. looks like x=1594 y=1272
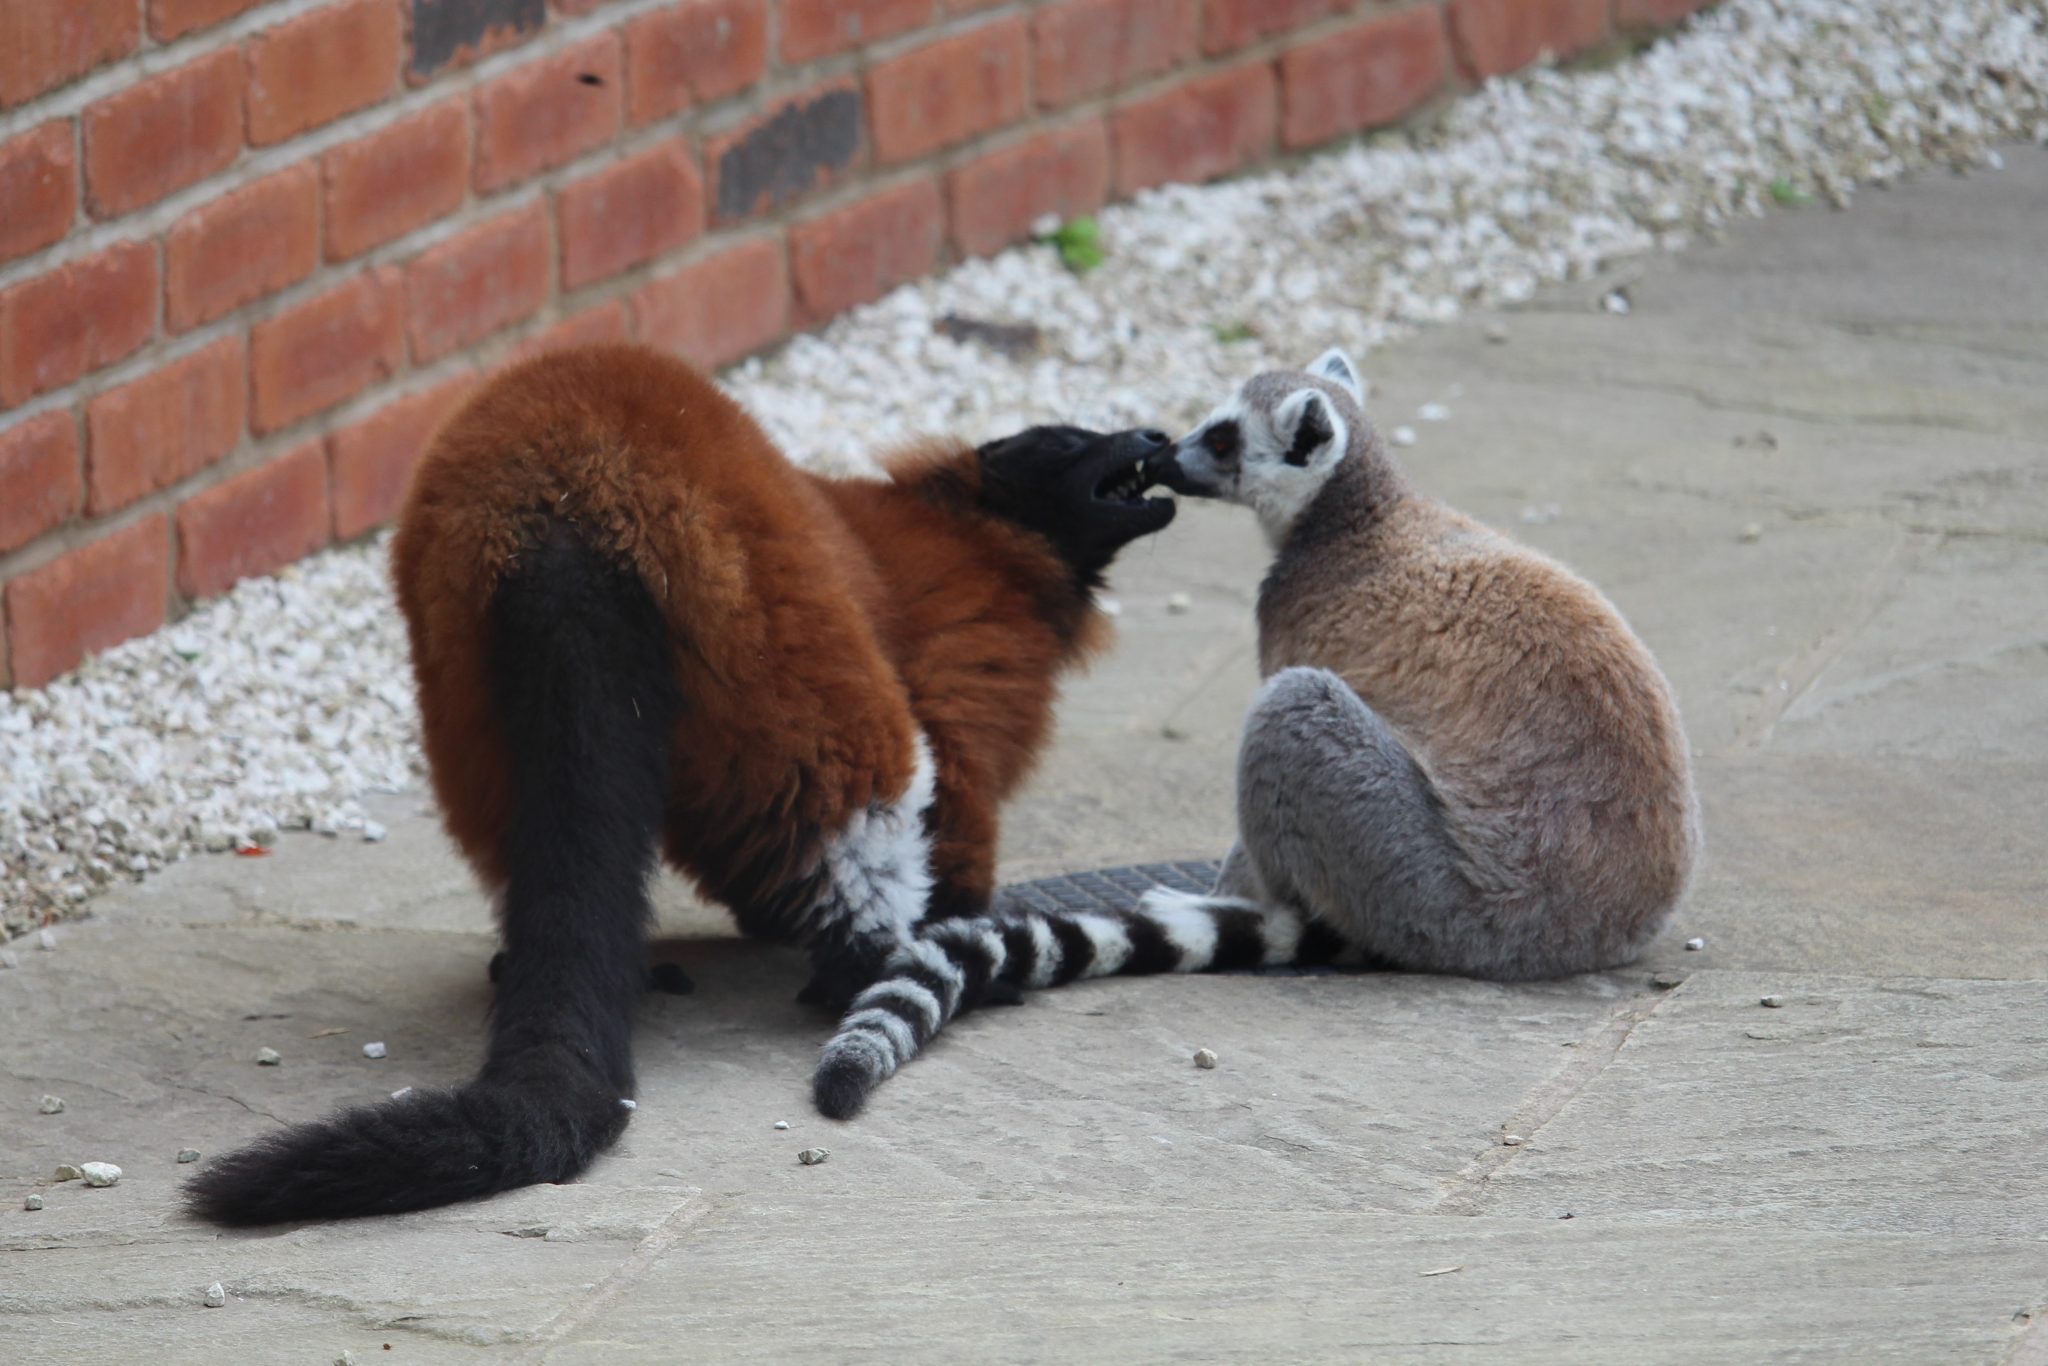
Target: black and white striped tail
x=953 y=963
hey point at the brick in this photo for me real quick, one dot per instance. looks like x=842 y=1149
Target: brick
x=48 y=43
x=948 y=92
x=1362 y=77
x=314 y=69
x=370 y=462
x=629 y=213
x=720 y=309
x=1197 y=131
x=996 y=197
x=699 y=51
x=1089 y=47
x=473 y=284
x=167 y=426
x=97 y=596
x=39 y=186
x=163 y=134
x=1655 y=13
x=254 y=523
x=818 y=28
x=170 y=19
x=242 y=246
x=788 y=151
x=604 y=323
x=326 y=349
x=449 y=33
x=1234 y=24
x=545 y=114
x=384 y=186
x=39 y=471
x=1493 y=37
x=856 y=254
x=78 y=318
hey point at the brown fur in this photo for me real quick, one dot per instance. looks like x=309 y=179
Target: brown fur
x=818 y=624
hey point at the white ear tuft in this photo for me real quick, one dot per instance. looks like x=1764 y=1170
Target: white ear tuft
x=1335 y=366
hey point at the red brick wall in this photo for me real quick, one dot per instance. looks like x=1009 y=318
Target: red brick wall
x=252 y=250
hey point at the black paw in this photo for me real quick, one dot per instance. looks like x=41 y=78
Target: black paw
x=670 y=980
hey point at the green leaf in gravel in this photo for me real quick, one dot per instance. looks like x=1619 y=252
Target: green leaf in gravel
x=1789 y=195
x=1231 y=333
x=1080 y=244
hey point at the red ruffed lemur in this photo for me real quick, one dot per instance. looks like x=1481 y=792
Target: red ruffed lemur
x=638 y=629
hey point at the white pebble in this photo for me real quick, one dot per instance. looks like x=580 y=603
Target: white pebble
x=46 y=939
x=1512 y=1140
x=188 y=1154
x=1695 y=944
x=1402 y=436
x=811 y=1157
x=1617 y=303
x=32 y=1202
x=50 y=1105
x=99 y=1173
x=268 y=1057
x=1179 y=604
x=1752 y=532
x=1773 y=1002
x=782 y=1124
x=216 y=1295
x=1433 y=412
x=374 y=832
x=373 y=1050
x=1205 y=1058
x=67 y=1172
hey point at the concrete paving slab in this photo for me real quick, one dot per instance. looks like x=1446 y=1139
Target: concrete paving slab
x=1858 y=1105
x=817 y=1279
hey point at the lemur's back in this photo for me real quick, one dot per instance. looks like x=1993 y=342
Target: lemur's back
x=1521 y=691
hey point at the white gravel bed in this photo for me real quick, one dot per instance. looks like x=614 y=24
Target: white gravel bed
x=282 y=704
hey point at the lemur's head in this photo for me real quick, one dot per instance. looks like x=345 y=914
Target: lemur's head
x=1081 y=490
x=1276 y=442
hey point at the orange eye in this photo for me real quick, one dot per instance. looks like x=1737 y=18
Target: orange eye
x=1223 y=441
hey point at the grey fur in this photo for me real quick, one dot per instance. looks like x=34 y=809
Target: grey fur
x=1462 y=760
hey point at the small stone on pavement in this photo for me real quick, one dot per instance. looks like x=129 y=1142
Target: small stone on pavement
x=188 y=1154
x=99 y=1173
x=50 y=1105
x=268 y=1057
x=373 y=1050
x=216 y=1295
x=1773 y=1001
x=67 y=1172
x=1205 y=1058
x=811 y=1157
x=33 y=1202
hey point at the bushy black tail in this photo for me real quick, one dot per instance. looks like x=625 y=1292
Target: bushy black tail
x=585 y=692
x=955 y=964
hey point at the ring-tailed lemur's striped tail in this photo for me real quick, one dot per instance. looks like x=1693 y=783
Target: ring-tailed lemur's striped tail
x=952 y=965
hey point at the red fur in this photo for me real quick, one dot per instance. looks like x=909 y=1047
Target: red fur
x=817 y=624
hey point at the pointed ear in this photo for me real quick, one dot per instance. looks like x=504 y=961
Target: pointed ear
x=1335 y=366
x=1308 y=427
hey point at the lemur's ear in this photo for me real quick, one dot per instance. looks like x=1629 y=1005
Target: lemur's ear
x=1334 y=365
x=1307 y=426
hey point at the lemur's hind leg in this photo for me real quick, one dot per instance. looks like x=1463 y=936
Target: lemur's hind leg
x=1335 y=816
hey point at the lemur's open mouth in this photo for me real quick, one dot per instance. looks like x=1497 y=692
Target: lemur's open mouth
x=1126 y=484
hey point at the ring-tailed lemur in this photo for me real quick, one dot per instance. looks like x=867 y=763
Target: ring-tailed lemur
x=1462 y=759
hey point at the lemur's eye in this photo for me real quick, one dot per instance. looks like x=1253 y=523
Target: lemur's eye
x=1223 y=441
